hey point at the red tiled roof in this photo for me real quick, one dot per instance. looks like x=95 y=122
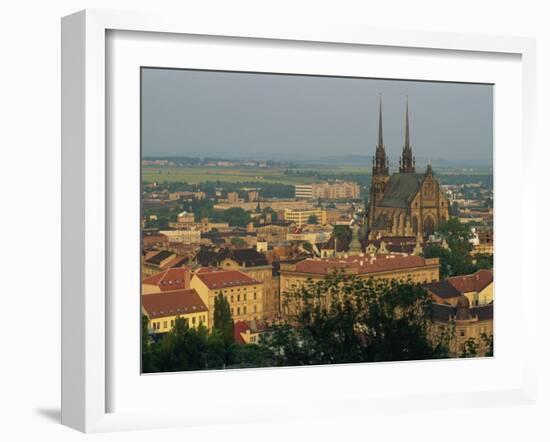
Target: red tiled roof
x=361 y=264
x=238 y=328
x=169 y=280
x=241 y=327
x=178 y=302
x=472 y=283
x=225 y=278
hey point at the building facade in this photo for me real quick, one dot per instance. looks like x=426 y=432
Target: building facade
x=162 y=309
x=301 y=217
x=243 y=293
x=328 y=191
x=390 y=267
x=183 y=236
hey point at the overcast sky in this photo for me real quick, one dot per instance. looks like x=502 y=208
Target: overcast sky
x=198 y=113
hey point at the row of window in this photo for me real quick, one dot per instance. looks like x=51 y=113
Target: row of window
x=157 y=325
x=244 y=310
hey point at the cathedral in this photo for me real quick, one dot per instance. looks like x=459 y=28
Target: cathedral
x=404 y=203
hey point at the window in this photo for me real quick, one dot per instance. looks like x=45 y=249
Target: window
x=238 y=310
x=244 y=296
x=193 y=320
x=254 y=308
x=231 y=298
x=244 y=310
x=462 y=333
x=238 y=298
x=254 y=295
x=171 y=323
x=165 y=324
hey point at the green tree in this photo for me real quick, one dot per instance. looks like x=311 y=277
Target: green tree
x=483 y=261
x=223 y=322
x=269 y=211
x=236 y=216
x=488 y=342
x=344 y=319
x=312 y=219
x=343 y=235
x=470 y=349
x=457 y=258
x=238 y=242
x=183 y=348
x=147 y=362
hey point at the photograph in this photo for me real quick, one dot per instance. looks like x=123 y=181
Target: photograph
x=298 y=220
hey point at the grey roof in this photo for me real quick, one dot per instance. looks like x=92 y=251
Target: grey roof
x=401 y=189
x=444 y=289
x=483 y=312
x=159 y=257
x=441 y=312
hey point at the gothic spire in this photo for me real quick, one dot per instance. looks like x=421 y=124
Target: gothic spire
x=407 y=161
x=380 y=161
x=380 y=135
x=407 y=137
x=429 y=170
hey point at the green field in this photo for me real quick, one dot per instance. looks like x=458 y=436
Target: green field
x=302 y=175
x=194 y=175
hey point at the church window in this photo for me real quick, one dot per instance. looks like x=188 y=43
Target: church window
x=429 y=226
x=415 y=225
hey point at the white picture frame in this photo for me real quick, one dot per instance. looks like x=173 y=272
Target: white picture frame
x=86 y=260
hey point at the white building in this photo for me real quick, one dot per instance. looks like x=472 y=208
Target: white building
x=184 y=236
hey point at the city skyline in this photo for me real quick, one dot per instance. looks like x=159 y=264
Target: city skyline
x=232 y=115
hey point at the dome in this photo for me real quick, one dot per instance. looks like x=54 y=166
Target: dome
x=463 y=308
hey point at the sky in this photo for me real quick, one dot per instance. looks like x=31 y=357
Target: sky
x=286 y=117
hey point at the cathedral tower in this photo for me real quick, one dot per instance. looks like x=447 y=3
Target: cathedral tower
x=407 y=161
x=380 y=161
x=380 y=169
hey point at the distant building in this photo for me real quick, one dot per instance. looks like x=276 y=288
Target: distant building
x=154 y=240
x=208 y=225
x=315 y=235
x=233 y=197
x=243 y=293
x=327 y=191
x=164 y=308
x=184 y=236
x=301 y=217
x=482 y=240
x=272 y=231
x=157 y=261
x=174 y=196
x=253 y=195
x=303 y=191
x=185 y=217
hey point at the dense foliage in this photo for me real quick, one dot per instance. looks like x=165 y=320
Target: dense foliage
x=341 y=319
x=457 y=258
x=345 y=319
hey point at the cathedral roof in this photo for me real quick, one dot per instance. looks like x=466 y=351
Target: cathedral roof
x=401 y=189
